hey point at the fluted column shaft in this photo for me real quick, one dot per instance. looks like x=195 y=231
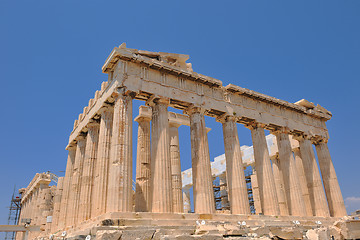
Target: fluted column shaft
x=120 y=171
x=292 y=186
x=74 y=196
x=102 y=163
x=143 y=168
x=284 y=210
x=316 y=191
x=46 y=208
x=256 y=192
x=265 y=177
x=236 y=184
x=57 y=203
x=186 y=199
x=201 y=169
x=87 y=178
x=161 y=182
x=177 y=195
x=331 y=184
x=303 y=182
x=224 y=193
x=64 y=205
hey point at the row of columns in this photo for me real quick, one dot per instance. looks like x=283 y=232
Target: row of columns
x=37 y=205
x=98 y=177
x=297 y=181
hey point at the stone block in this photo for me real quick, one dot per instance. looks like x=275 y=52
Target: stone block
x=287 y=232
x=138 y=234
x=108 y=235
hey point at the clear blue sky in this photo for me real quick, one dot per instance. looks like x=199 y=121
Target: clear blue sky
x=51 y=53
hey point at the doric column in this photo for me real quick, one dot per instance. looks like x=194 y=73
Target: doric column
x=316 y=191
x=102 y=163
x=224 y=193
x=160 y=158
x=293 y=192
x=57 y=203
x=280 y=189
x=46 y=208
x=74 y=196
x=255 y=192
x=143 y=169
x=41 y=191
x=236 y=184
x=120 y=171
x=265 y=177
x=201 y=169
x=331 y=184
x=177 y=195
x=66 y=187
x=186 y=199
x=302 y=181
x=87 y=178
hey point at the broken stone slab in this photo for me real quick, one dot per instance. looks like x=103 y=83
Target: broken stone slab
x=138 y=234
x=318 y=234
x=287 y=232
x=108 y=235
x=349 y=227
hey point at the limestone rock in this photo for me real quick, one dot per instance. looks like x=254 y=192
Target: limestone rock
x=287 y=232
x=318 y=234
x=108 y=235
x=138 y=234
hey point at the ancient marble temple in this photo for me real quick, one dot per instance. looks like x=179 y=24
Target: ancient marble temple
x=97 y=190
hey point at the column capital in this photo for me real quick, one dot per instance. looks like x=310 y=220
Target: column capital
x=142 y=119
x=226 y=118
x=93 y=123
x=71 y=147
x=157 y=100
x=253 y=125
x=279 y=130
x=123 y=92
x=106 y=108
x=80 y=140
x=316 y=140
x=194 y=109
x=174 y=124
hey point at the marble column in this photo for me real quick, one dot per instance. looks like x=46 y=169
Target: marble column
x=120 y=194
x=280 y=189
x=201 y=169
x=256 y=193
x=57 y=204
x=161 y=182
x=186 y=199
x=64 y=205
x=102 y=163
x=36 y=209
x=143 y=169
x=87 y=178
x=302 y=181
x=292 y=186
x=177 y=195
x=46 y=208
x=331 y=184
x=236 y=184
x=316 y=191
x=74 y=196
x=224 y=193
x=264 y=173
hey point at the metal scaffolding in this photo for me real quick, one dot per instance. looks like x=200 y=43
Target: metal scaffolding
x=14 y=213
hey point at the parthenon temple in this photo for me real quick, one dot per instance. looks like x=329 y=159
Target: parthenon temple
x=292 y=182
